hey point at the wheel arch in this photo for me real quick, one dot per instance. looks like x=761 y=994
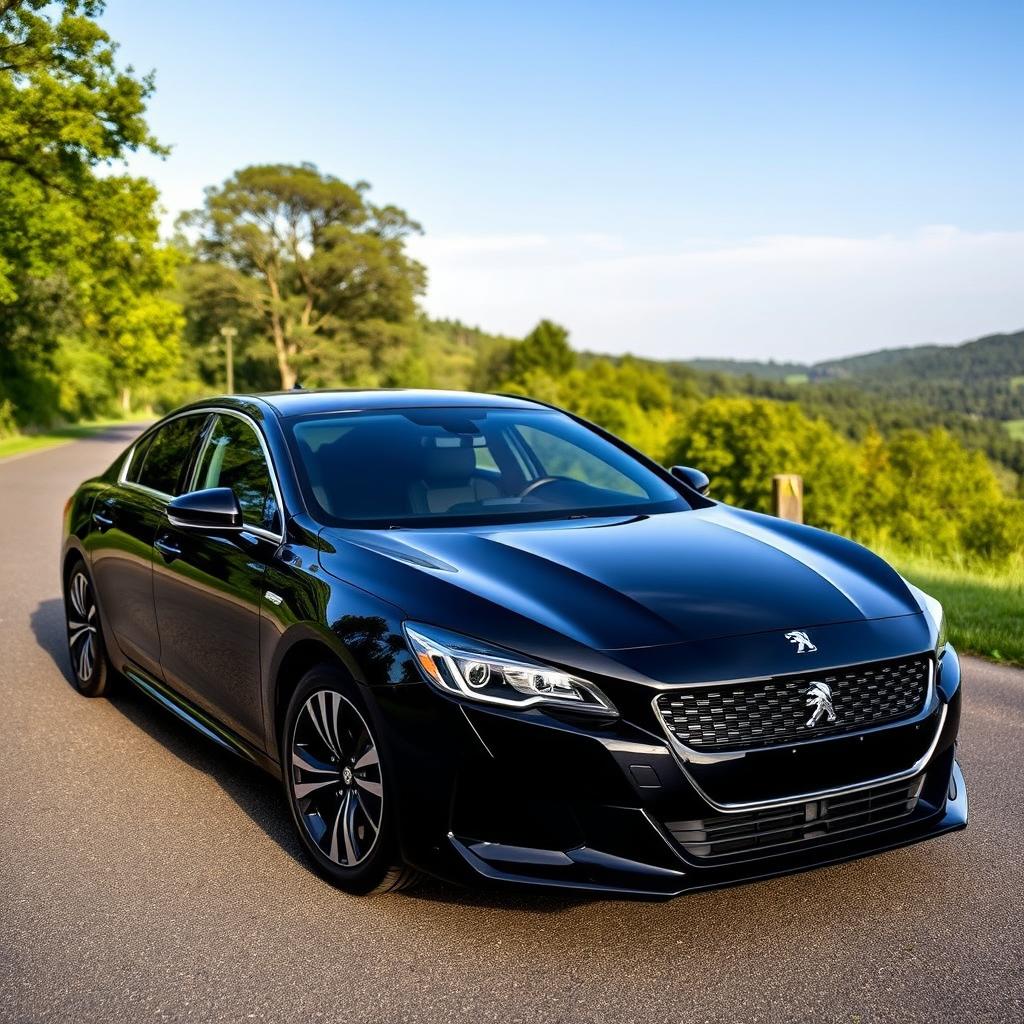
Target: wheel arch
x=72 y=554
x=299 y=651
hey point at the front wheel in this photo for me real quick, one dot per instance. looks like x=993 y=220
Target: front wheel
x=89 y=663
x=336 y=781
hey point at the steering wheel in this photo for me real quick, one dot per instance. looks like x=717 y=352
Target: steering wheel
x=537 y=484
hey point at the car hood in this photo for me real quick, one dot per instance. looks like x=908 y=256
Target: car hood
x=621 y=583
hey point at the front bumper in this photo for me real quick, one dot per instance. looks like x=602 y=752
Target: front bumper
x=538 y=800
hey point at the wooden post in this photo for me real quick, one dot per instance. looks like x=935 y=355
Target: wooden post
x=788 y=496
x=229 y=357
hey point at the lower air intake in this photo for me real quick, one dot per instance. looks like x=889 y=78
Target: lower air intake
x=786 y=829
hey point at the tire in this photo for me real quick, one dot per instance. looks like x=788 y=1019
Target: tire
x=336 y=779
x=90 y=666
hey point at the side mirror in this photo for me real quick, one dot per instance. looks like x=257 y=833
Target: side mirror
x=693 y=478
x=215 y=508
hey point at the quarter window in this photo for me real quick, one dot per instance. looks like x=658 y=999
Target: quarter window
x=138 y=460
x=233 y=457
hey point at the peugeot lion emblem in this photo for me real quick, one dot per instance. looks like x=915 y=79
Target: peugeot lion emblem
x=819 y=697
x=802 y=641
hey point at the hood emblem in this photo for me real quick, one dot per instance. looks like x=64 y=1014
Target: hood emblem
x=819 y=697
x=802 y=641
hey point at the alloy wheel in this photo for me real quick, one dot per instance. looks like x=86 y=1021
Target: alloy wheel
x=336 y=778
x=82 y=627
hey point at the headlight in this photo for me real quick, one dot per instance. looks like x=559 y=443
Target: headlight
x=935 y=612
x=476 y=670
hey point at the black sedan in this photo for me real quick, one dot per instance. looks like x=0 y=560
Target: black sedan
x=478 y=637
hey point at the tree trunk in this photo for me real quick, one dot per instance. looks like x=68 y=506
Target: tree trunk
x=126 y=400
x=284 y=367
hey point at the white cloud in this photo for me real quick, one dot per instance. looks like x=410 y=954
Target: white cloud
x=784 y=297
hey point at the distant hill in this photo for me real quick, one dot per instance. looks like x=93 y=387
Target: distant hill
x=994 y=357
x=740 y=368
x=975 y=389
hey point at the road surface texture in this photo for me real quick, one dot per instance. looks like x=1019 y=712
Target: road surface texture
x=145 y=875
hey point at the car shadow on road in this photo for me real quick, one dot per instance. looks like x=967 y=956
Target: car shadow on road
x=253 y=790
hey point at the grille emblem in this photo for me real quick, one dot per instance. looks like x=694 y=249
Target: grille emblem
x=819 y=697
x=802 y=641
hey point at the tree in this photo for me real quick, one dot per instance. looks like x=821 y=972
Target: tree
x=545 y=350
x=76 y=248
x=927 y=492
x=312 y=257
x=742 y=442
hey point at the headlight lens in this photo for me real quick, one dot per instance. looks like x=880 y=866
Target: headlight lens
x=492 y=675
x=935 y=612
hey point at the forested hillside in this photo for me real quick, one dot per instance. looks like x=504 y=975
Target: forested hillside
x=981 y=378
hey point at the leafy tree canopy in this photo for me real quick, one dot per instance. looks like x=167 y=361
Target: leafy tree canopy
x=79 y=260
x=322 y=268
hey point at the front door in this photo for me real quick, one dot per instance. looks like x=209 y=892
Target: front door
x=208 y=587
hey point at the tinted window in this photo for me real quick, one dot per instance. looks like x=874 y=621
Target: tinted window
x=559 y=456
x=138 y=460
x=413 y=466
x=167 y=454
x=233 y=457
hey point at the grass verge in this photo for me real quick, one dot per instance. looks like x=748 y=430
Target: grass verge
x=984 y=606
x=51 y=438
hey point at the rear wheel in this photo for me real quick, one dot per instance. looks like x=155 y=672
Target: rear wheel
x=336 y=781
x=89 y=664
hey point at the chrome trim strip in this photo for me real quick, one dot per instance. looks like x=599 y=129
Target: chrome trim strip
x=259 y=531
x=757 y=805
x=691 y=754
x=186 y=714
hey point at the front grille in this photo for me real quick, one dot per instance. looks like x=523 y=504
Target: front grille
x=785 y=829
x=769 y=712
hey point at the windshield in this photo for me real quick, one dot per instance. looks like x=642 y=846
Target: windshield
x=418 y=467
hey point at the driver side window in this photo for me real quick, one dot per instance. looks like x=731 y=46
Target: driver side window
x=233 y=457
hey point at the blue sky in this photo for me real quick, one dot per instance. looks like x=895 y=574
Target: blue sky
x=792 y=180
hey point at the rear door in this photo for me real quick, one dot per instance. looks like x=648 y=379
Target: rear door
x=126 y=518
x=208 y=587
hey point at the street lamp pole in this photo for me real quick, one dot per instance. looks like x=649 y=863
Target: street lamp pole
x=228 y=334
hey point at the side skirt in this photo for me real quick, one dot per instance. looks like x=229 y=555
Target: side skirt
x=199 y=720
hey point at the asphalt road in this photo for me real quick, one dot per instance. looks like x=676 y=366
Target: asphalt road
x=144 y=875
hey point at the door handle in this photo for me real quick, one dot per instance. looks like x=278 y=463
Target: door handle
x=167 y=548
x=102 y=521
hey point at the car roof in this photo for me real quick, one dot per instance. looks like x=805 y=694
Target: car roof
x=301 y=402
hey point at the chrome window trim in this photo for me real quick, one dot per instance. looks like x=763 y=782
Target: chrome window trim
x=258 y=531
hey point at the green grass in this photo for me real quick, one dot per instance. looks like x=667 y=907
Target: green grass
x=984 y=606
x=1015 y=428
x=51 y=438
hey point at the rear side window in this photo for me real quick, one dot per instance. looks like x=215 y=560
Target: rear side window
x=233 y=457
x=166 y=455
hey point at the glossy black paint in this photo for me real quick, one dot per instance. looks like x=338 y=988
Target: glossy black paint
x=211 y=509
x=696 y=479
x=221 y=622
